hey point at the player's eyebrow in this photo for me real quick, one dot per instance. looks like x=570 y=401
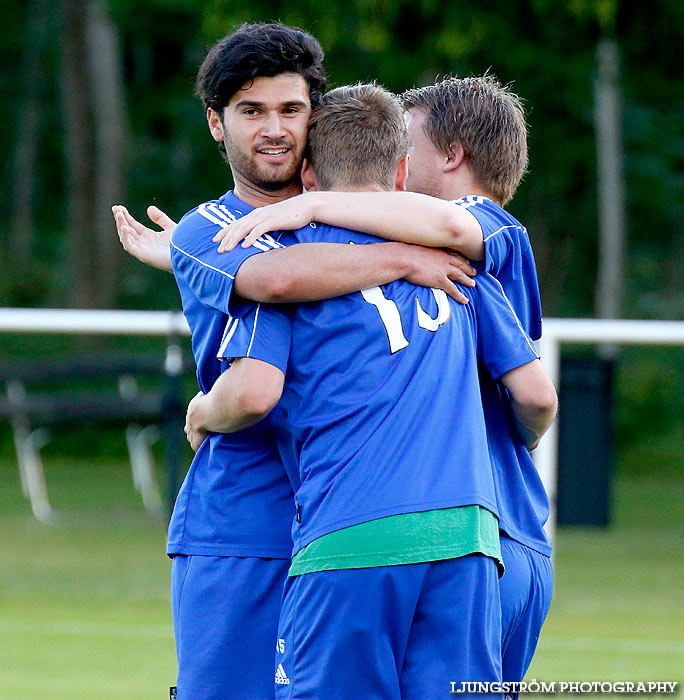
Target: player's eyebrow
x=262 y=105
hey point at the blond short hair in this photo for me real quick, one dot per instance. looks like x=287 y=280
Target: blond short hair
x=487 y=119
x=357 y=136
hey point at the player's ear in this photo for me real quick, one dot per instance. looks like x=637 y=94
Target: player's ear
x=308 y=176
x=401 y=174
x=215 y=124
x=455 y=157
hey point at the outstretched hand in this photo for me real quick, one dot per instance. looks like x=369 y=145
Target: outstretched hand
x=145 y=244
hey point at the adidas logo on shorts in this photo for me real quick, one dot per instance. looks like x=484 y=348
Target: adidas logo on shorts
x=281 y=677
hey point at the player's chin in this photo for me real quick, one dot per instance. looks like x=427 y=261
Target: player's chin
x=277 y=178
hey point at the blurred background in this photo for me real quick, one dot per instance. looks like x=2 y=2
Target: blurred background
x=98 y=108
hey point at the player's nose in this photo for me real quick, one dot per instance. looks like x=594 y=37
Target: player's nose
x=273 y=126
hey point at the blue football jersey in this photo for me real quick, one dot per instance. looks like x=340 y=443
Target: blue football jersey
x=382 y=394
x=520 y=495
x=236 y=499
x=509 y=258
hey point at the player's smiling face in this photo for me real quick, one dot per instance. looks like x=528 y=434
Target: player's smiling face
x=264 y=130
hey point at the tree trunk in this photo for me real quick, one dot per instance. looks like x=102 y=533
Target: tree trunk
x=29 y=128
x=611 y=185
x=94 y=124
x=107 y=90
x=79 y=152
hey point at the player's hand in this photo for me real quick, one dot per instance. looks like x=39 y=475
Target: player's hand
x=441 y=269
x=193 y=433
x=288 y=215
x=146 y=244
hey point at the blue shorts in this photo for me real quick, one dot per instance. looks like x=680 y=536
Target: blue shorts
x=389 y=633
x=526 y=589
x=225 y=620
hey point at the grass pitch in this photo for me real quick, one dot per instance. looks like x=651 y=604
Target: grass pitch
x=618 y=607
x=84 y=601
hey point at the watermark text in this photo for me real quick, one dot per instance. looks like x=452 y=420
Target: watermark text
x=570 y=687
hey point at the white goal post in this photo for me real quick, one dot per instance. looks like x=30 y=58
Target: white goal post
x=556 y=332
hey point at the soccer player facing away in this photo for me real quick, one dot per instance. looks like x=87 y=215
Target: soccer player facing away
x=393 y=589
x=469 y=148
x=229 y=533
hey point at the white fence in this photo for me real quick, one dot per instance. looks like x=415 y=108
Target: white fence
x=556 y=332
x=80 y=321
x=589 y=331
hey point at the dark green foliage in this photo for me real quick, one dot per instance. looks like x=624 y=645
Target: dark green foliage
x=546 y=50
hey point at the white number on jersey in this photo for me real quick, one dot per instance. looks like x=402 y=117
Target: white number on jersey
x=391 y=318
x=443 y=311
x=389 y=315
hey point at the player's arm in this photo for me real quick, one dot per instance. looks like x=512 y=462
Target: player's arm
x=311 y=272
x=408 y=217
x=533 y=400
x=242 y=396
x=511 y=358
x=314 y=271
x=259 y=344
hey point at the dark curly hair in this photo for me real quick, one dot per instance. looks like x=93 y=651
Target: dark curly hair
x=259 y=49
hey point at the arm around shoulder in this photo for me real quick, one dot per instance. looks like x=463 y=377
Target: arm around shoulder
x=408 y=217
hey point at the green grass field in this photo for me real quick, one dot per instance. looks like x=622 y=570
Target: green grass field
x=618 y=607
x=84 y=601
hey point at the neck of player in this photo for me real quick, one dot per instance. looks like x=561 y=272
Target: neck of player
x=461 y=182
x=257 y=196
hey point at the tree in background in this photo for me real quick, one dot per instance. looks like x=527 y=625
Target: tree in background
x=149 y=52
x=25 y=161
x=68 y=95
x=94 y=119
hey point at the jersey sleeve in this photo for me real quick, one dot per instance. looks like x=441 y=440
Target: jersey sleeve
x=263 y=332
x=502 y=343
x=499 y=241
x=509 y=257
x=198 y=264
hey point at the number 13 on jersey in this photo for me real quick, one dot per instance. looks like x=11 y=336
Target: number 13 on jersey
x=391 y=318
